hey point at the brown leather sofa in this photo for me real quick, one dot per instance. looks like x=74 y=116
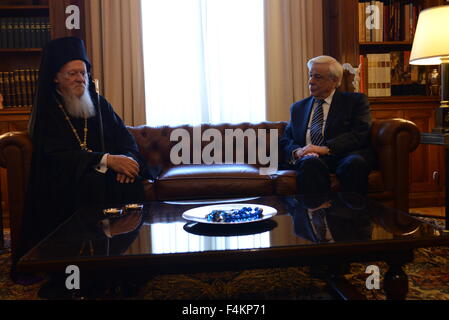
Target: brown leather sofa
x=392 y=139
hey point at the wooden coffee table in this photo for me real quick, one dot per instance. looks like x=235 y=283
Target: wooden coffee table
x=158 y=240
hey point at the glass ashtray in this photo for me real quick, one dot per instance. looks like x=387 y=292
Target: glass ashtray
x=134 y=206
x=112 y=212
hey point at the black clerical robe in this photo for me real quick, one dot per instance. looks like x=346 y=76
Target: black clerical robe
x=63 y=177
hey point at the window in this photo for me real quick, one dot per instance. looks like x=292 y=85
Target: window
x=204 y=61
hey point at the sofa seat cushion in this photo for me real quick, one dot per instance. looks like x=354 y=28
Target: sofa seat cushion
x=149 y=190
x=212 y=181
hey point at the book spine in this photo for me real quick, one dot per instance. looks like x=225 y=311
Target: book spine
x=381 y=22
x=27 y=33
x=40 y=32
x=9 y=32
x=407 y=67
x=414 y=19
x=17 y=89
x=377 y=75
x=48 y=30
x=381 y=78
x=34 y=77
x=33 y=33
x=5 y=89
x=2 y=33
x=14 y=33
x=2 y=91
x=28 y=88
x=391 y=24
x=374 y=5
x=377 y=29
x=387 y=73
x=370 y=75
x=367 y=30
x=9 y=94
x=21 y=39
x=386 y=15
x=361 y=22
x=362 y=75
x=406 y=24
x=23 y=88
x=398 y=22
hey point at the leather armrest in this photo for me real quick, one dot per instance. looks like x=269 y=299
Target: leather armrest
x=18 y=139
x=385 y=132
x=394 y=140
x=15 y=155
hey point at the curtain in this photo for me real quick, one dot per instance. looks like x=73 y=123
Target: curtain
x=114 y=43
x=293 y=35
x=204 y=61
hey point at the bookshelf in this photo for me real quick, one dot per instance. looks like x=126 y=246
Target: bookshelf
x=347 y=39
x=17 y=54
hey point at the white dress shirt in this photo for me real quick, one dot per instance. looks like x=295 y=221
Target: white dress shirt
x=103 y=165
x=326 y=106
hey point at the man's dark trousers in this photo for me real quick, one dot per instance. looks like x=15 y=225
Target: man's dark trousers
x=313 y=173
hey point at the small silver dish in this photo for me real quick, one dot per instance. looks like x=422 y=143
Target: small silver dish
x=112 y=212
x=134 y=206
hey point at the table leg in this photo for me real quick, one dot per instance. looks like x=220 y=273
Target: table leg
x=446 y=187
x=340 y=285
x=396 y=282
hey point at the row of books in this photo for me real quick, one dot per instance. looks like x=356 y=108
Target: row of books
x=18 y=87
x=24 y=32
x=391 y=74
x=387 y=20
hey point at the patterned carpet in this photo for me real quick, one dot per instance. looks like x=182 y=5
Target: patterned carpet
x=428 y=280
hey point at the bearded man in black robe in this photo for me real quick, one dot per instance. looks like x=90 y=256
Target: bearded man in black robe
x=82 y=151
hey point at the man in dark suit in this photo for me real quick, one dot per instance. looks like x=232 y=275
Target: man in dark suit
x=329 y=132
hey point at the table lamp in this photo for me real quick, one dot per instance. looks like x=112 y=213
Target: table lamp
x=431 y=47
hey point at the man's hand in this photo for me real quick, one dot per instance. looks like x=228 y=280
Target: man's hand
x=123 y=178
x=311 y=150
x=127 y=168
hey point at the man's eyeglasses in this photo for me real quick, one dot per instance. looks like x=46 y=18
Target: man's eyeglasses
x=317 y=77
x=71 y=75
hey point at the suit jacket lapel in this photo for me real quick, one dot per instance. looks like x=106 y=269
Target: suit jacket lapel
x=333 y=112
x=304 y=119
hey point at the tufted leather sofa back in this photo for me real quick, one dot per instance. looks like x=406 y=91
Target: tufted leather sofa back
x=155 y=142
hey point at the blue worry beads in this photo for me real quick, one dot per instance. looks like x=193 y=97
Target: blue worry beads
x=245 y=214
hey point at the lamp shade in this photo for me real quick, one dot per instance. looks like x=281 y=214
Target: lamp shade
x=431 y=41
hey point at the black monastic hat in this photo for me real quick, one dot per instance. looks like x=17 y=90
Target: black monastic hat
x=60 y=51
x=56 y=54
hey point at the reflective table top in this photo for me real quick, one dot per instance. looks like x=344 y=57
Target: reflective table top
x=340 y=222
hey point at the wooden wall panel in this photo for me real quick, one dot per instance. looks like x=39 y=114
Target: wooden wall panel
x=58 y=18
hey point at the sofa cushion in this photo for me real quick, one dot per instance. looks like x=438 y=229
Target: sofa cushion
x=149 y=190
x=285 y=182
x=209 y=181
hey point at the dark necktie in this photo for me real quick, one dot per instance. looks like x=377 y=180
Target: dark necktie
x=316 y=128
x=319 y=223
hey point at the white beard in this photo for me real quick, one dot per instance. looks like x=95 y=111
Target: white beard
x=82 y=107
